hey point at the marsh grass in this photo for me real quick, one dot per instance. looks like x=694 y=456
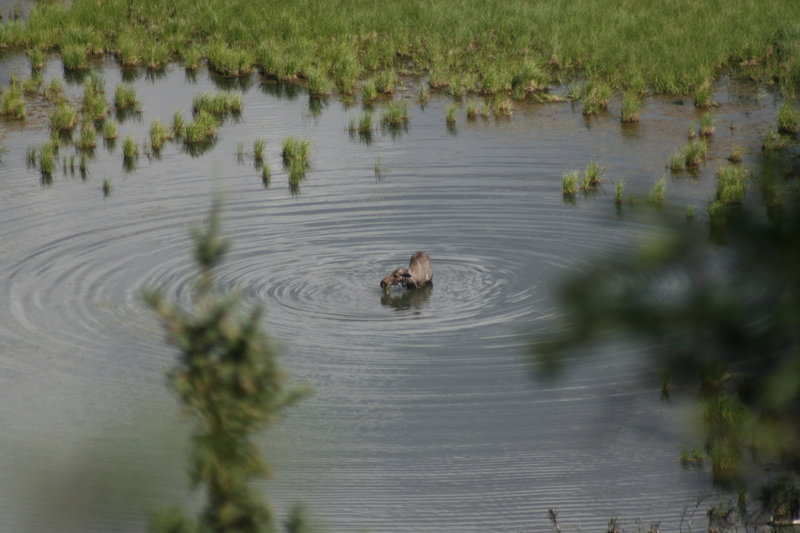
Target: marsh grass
x=597 y=95
x=227 y=61
x=503 y=107
x=219 y=104
x=788 y=119
x=690 y=156
x=619 y=192
x=63 y=118
x=378 y=169
x=385 y=81
x=125 y=97
x=109 y=130
x=423 y=95
x=450 y=114
x=295 y=154
x=106 y=188
x=318 y=82
x=13 y=105
x=774 y=140
x=472 y=110
x=731 y=181
x=74 y=57
x=345 y=71
x=87 y=139
x=592 y=176
x=54 y=91
x=569 y=183
x=656 y=195
x=259 y=145
x=369 y=91
x=632 y=105
x=703 y=95
x=191 y=56
x=155 y=56
x=31 y=84
x=130 y=150
x=266 y=175
x=178 y=125
x=36 y=58
x=394 y=115
x=736 y=154
x=47 y=159
x=706 y=125
x=158 y=135
x=129 y=51
x=202 y=129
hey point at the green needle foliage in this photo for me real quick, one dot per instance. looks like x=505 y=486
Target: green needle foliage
x=228 y=381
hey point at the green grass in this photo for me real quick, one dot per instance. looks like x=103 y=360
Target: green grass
x=106 y=188
x=230 y=61
x=295 y=153
x=202 y=129
x=510 y=48
x=788 y=119
x=703 y=94
x=503 y=107
x=774 y=140
x=259 y=146
x=631 y=106
x=74 y=57
x=706 y=125
x=47 y=159
x=125 y=97
x=592 y=176
x=318 y=82
x=87 y=139
x=94 y=104
x=731 y=181
x=423 y=95
x=597 y=95
x=385 y=81
x=369 y=90
x=13 y=102
x=63 y=118
x=110 y=130
x=266 y=175
x=619 y=192
x=365 y=122
x=130 y=150
x=218 y=104
x=54 y=91
x=656 y=194
x=191 y=56
x=36 y=58
x=690 y=156
x=178 y=125
x=394 y=114
x=155 y=55
x=158 y=135
x=450 y=114
x=569 y=183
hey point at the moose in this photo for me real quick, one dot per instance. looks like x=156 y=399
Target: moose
x=417 y=275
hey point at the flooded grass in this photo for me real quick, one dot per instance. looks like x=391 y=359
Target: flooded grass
x=632 y=105
x=450 y=114
x=788 y=119
x=110 y=130
x=63 y=118
x=295 y=153
x=158 y=135
x=106 y=188
x=87 y=139
x=259 y=145
x=731 y=181
x=690 y=156
x=54 y=90
x=706 y=125
x=394 y=114
x=125 y=97
x=597 y=95
x=13 y=105
x=178 y=125
x=657 y=193
x=202 y=129
x=569 y=183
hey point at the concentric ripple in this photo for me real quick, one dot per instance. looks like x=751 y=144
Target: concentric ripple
x=423 y=416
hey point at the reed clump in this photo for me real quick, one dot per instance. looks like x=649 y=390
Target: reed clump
x=229 y=61
x=394 y=114
x=736 y=154
x=178 y=125
x=706 y=125
x=295 y=153
x=450 y=114
x=592 y=176
x=54 y=91
x=125 y=97
x=597 y=95
x=74 y=57
x=110 y=130
x=690 y=156
x=130 y=150
x=657 y=193
x=36 y=58
x=703 y=95
x=219 y=104
x=202 y=129
x=369 y=91
x=259 y=145
x=632 y=105
x=317 y=82
x=63 y=118
x=87 y=139
x=106 y=188
x=788 y=119
x=569 y=183
x=94 y=104
x=619 y=191
x=13 y=105
x=158 y=135
x=731 y=184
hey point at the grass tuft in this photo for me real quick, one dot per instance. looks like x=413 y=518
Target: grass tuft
x=125 y=97
x=731 y=184
x=13 y=102
x=656 y=195
x=130 y=150
x=158 y=135
x=597 y=95
x=632 y=105
x=295 y=153
x=450 y=114
x=706 y=125
x=106 y=188
x=88 y=136
x=258 y=150
x=569 y=183
x=74 y=57
x=788 y=119
x=394 y=114
x=110 y=130
x=63 y=118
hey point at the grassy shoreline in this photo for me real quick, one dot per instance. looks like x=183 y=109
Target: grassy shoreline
x=513 y=47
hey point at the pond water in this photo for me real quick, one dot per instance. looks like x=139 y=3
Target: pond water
x=424 y=416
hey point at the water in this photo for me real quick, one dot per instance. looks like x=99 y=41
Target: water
x=424 y=416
